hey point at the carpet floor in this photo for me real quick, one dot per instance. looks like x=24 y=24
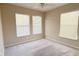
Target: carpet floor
x=41 y=47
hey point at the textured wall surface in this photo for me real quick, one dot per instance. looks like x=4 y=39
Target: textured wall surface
x=1 y=38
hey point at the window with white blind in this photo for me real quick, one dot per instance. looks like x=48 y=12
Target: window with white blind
x=69 y=25
x=22 y=25
x=37 y=24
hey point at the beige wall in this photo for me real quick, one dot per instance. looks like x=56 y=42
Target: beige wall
x=9 y=26
x=1 y=38
x=52 y=24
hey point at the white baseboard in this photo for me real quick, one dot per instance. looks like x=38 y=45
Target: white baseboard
x=63 y=43
x=25 y=40
x=10 y=45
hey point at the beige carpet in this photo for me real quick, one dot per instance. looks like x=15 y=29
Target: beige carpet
x=41 y=47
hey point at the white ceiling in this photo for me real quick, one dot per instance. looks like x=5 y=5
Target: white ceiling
x=36 y=6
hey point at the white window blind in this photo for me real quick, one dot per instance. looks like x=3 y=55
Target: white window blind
x=22 y=25
x=37 y=24
x=69 y=25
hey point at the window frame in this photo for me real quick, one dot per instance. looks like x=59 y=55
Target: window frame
x=16 y=25
x=62 y=23
x=41 y=25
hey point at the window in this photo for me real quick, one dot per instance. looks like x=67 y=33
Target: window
x=22 y=25
x=69 y=25
x=37 y=24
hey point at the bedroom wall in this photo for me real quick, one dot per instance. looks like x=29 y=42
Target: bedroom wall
x=52 y=25
x=1 y=37
x=9 y=25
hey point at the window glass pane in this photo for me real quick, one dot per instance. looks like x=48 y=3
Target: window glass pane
x=37 y=25
x=22 y=25
x=69 y=25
